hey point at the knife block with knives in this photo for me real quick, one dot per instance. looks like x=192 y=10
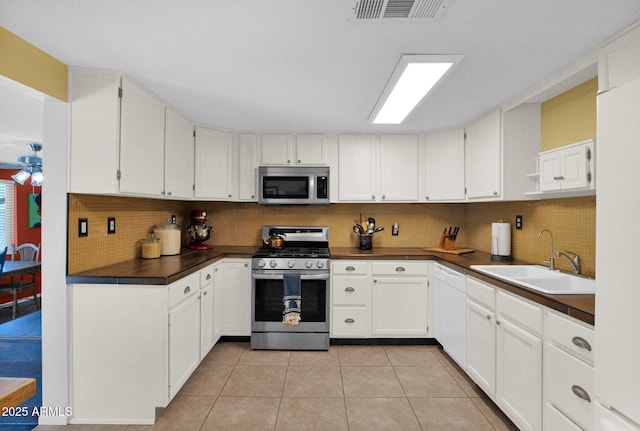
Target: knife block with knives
x=447 y=242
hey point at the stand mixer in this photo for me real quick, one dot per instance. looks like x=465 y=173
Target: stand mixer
x=198 y=231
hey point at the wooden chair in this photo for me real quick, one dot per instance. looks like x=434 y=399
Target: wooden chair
x=24 y=252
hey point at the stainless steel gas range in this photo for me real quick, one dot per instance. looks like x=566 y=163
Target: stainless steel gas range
x=303 y=257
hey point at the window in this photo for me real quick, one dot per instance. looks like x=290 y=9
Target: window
x=6 y=214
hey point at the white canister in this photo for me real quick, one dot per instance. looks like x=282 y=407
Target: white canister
x=170 y=235
x=501 y=241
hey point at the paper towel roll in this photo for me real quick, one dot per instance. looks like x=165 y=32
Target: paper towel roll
x=501 y=239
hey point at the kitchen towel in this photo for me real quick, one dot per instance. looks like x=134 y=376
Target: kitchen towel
x=292 y=299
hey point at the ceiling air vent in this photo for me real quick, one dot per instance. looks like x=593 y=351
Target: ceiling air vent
x=400 y=9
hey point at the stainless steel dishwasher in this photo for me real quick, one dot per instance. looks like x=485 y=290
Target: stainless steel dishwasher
x=450 y=301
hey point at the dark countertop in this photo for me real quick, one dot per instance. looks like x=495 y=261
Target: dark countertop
x=164 y=270
x=581 y=307
x=168 y=269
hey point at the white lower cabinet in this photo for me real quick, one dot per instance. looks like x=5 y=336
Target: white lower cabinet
x=400 y=299
x=235 y=296
x=481 y=346
x=519 y=361
x=207 y=313
x=380 y=299
x=184 y=332
x=504 y=351
x=568 y=372
x=134 y=346
x=350 y=292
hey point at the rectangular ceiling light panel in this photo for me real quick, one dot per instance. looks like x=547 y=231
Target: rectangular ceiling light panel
x=412 y=79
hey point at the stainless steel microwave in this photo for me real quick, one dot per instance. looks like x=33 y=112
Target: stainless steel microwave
x=293 y=185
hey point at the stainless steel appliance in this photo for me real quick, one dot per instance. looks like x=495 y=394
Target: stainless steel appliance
x=293 y=185
x=305 y=254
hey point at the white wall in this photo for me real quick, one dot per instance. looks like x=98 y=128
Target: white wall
x=55 y=309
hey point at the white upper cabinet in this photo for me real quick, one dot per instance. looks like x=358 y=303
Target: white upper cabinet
x=382 y=169
x=311 y=149
x=247 y=149
x=568 y=168
x=618 y=60
x=276 y=149
x=118 y=139
x=289 y=149
x=442 y=177
x=141 y=141
x=94 y=152
x=399 y=168
x=356 y=168
x=483 y=163
x=213 y=167
x=179 y=156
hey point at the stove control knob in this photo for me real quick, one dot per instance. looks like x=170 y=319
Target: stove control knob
x=273 y=263
x=262 y=263
x=291 y=263
x=308 y=264
x=320 y=264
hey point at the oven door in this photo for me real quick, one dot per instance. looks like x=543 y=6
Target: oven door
x=267 y=305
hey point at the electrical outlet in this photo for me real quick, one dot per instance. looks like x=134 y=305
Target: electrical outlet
x=83 y=227
x=111 y=225
x=519 y=222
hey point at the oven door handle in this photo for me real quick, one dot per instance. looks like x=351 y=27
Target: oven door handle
x=281 y=276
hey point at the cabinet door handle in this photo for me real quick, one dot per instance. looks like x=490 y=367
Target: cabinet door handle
x=558 y=178
x=498 y=322
x=400 y=269
x=488 y=316
x=373 y=197
x=581 y=393
x=187 y=289
x=349 y=268
x=582 y=343
x=384 y=196
x=208 y=277
x=349 y=289
x=349 y=320
x=204 y=293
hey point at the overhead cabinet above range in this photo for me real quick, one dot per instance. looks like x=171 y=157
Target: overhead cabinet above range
x=293 y=149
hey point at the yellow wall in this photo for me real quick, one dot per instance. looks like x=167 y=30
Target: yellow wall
x=24 y=63
x=569 y=117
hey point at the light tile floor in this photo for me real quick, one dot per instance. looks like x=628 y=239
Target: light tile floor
x=346 y=388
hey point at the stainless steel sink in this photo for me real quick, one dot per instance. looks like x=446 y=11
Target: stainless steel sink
x=540 y=278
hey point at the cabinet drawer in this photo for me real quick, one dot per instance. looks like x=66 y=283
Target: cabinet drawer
x=183 y=288
x=555 y=420
x=349 y=267
x=349 y=322
x=400 y=268
x=524 y=313
x=350 y=290
x=206 y=275
x=578 y=339
x=481 y=292
x=568 y=381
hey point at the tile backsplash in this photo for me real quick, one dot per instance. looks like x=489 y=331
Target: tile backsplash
x=572 y=222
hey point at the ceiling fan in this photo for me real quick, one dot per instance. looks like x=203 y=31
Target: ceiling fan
x=31 y=166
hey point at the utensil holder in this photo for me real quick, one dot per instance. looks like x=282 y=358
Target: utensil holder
x=365 y=242
x=446 y=243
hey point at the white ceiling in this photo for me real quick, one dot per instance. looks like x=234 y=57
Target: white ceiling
x=307 y=65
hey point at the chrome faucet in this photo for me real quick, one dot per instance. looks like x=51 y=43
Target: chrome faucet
x=576 y=264
x=551 y=261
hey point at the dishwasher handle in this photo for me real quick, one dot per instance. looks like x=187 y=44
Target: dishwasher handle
x=448 y=272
